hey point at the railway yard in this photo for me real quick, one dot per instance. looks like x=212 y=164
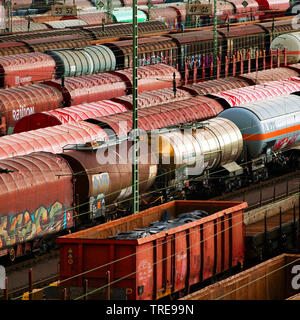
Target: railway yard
x=149 y=150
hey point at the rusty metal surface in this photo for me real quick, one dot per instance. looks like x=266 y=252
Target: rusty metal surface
x=25 y=68
x=35 y=197
x=16 y=103
x=117 y=166
x=185 y=240
x=270 y=280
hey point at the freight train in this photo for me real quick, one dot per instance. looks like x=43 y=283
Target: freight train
x=114 y=261
x=45 y=193
x=173 y=258
x=18 y=102
x=39 y=41
x=163 y=98
x=174 y=49
x=88 y=118
x=171 y=12
x=50 y=95
x=174 y=15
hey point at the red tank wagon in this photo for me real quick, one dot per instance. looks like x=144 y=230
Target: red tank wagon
x=160 y=264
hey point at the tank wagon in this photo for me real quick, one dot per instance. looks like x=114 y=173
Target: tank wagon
x=197 y=158
x=268 y=126
x=157 y=109
x=290 y=42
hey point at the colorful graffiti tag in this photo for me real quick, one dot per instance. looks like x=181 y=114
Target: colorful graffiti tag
x=152 y=60
x=21 y=227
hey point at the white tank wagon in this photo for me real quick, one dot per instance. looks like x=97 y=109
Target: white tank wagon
x=267 y=126
x=290 y=42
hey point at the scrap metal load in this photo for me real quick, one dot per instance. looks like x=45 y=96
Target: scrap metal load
x=164 y=224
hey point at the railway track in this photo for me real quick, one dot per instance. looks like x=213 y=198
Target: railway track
x=43 y=271
x=45 y=267
x=265 y=192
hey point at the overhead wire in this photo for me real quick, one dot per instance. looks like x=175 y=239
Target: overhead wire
x=199 y=52
x=168 y=257
x=214 y=175
x=125 y=200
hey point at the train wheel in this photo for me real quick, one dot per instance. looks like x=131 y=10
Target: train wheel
x=12 y=255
